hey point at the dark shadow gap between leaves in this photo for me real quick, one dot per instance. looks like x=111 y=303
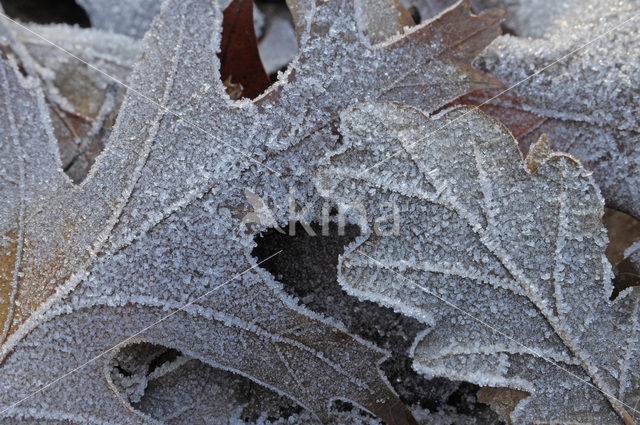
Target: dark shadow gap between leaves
x=46 y=11
x=623 y=231
x=307 y=268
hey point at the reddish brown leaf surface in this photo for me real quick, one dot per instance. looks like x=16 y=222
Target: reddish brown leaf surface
x=600 y=146
x=241 y=68
x=524 y=125
x=464 y=36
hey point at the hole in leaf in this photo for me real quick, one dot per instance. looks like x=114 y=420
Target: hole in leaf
x=241 y=68
x=415 y=14
x=307 y=268
x=422 y=11
x=626 y=274
x=46 y=11
x=167 y=356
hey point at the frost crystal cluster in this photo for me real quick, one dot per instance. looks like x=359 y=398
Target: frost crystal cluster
x=156 y=224
x=505 y=263
x=129 y=291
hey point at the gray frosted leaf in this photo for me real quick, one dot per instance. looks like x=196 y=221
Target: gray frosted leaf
x=131 y=17
x=188 y=391
x=83 y=101
x=36 y=195
x=517 y=249
x=156 y=222
x=83 y=87
x=278 y=45
x=587 y=105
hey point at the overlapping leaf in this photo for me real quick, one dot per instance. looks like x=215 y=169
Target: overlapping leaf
x=83 y=101
x=587 y=102
x=131 y=18
x=155 y=224
x=504 y=260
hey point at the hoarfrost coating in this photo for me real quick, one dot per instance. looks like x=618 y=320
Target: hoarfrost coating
x=145 y=232
x=519 y=252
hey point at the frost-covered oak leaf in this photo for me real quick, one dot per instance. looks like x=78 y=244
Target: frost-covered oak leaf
x=83 y=101
x=588 y=103
x=155 y=223
x=517 y=248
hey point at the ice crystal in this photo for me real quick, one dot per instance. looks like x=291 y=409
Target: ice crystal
x=587 y=102
x=504 y=261
x=155 y=225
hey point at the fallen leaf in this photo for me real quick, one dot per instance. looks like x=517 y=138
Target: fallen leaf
x=83 y=102
x=239 y=55
x=153 y=227
x=623 y=231
x=587 y=106
x=130 y=17
x=506 y=265
x=278 y=45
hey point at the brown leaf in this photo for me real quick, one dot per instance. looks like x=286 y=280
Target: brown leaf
x=559 y=83
x=9 y=262
x=83 y=103
x=501 y=399
x=240 y=62
x=538 y=154
x=600 y=147
x=463 y=36
x=623 y=230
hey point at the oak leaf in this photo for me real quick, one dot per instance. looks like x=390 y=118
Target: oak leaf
x=587 y=102
x=153 y=228
x=503 y=259
x=83 y=102
x=131 y=18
